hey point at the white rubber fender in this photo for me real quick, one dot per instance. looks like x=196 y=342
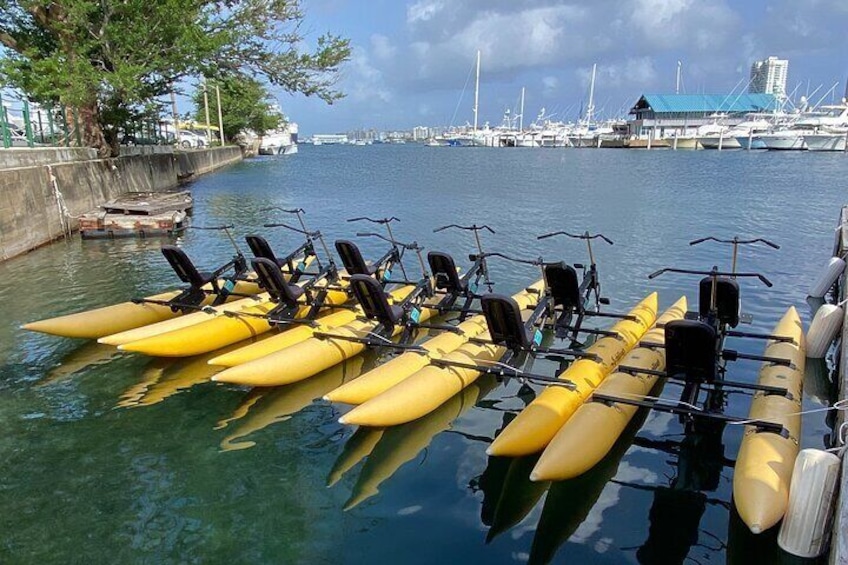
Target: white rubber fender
x=823 y=330
x=805 y=530
x=828 y=276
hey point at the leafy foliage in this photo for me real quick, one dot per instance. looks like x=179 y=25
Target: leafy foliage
x=109 y=60
x=244 y=105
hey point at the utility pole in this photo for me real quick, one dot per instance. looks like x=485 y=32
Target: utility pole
x=206 y=105
x=220 y=115
x=176 y=116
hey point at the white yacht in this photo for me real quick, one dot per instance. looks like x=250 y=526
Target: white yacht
x=831 y=140
x=831 y=132
x=824 y=120
x=745 y=133
x=716 y=135
x=280 y=142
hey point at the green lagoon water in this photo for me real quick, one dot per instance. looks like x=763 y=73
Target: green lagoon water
x=117 y=458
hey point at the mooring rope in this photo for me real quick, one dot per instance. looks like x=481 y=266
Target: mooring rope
x=64 y=215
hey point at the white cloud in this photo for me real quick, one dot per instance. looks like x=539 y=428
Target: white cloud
x=423 y=10
x=424 y=63
x=362 y=81
x=550 y=85
x=637 y=72
x=382 y=47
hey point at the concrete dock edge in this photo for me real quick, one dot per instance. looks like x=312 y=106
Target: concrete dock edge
x=839 y=540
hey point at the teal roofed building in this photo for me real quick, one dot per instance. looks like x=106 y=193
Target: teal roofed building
x=661 y=116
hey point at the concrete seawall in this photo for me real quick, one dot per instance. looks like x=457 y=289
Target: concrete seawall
x=41 y=203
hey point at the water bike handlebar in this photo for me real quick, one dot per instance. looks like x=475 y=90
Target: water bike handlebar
x=535 y=262
x=736 y=241
x=375 y=220
x=714 y=273
x=472 y=227
x=412 y=246
x=585 y=235
x=307 y=233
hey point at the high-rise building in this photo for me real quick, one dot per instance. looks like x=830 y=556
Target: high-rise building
x=769 y=76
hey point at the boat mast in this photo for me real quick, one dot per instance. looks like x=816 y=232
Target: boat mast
x=477 y=90
x=677 y=87
x=521 y=115
x=590 y=109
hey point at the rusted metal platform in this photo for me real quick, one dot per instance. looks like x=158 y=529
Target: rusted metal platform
x=138 y=214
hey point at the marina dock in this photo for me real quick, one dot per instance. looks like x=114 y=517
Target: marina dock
x=140 y=214
x=839 y=543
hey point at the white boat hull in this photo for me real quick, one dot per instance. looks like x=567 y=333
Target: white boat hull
x=685 y=143
x=711 y=142
x=825 y=142
x=753 y=142
x=783 y=142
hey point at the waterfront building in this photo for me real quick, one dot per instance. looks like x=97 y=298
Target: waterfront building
x=329 y=138
x=664 y=116
x=769 y=77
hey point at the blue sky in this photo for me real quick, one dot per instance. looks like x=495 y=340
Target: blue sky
x=411 y=59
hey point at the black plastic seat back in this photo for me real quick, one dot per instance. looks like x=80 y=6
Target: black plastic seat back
x=503 y=316
x=443 y=268
x=271 y=279
x=183 y=266
x=690 y=350
x=370 y=296
x=352 y=258
x=563 y=284
x=727 y=299
x=260 y=248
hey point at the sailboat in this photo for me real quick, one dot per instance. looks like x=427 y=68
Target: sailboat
x=584 y=135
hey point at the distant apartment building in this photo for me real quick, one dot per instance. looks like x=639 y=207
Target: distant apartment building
x=769 y=77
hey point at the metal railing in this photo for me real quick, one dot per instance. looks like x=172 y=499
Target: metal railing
x=27 y=124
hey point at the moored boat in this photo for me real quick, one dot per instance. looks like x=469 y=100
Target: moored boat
x=826 y=141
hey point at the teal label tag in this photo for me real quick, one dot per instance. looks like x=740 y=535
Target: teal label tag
x=537 y=338
x=299 y=267
x=229 y=285
x=415 y=315
x=387 y=274
x=474 y=286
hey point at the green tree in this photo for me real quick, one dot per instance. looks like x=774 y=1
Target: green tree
x=244 y=105
x=109 y=60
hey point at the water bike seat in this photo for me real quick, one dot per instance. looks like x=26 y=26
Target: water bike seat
x=261 y=249
x=503 y=317
x=271 y=279
x=561 y=280
x=371 y=297
x=443 y=268
x=185 y=269
x=352 y=258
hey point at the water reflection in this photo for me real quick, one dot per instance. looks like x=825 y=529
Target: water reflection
x=818 y=385
x=263 y=407
x=357 y=448
x=166 y=377
x=401 y=444
x=90 y=354
x=569 y=503
x=678 y=508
